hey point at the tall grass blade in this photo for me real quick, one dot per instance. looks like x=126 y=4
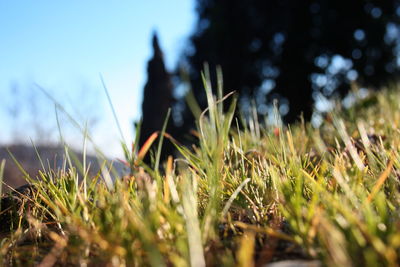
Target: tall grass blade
x=160 y=142
x=2 y=166
x=112 y=109
x=189 y=202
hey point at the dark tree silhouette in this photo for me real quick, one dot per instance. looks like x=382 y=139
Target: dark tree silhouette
x=157 y=96
x=292 y=50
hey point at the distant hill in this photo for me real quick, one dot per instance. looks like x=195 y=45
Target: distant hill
x=28 y=158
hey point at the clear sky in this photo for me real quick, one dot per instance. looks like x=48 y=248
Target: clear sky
x=64 y=45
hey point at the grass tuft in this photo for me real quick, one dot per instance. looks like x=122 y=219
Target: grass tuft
x=244 y=195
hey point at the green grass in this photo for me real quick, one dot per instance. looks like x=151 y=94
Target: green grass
x=246 y=194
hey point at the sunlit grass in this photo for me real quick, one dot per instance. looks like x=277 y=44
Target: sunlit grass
x=245 y=194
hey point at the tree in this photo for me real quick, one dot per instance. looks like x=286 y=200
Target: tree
x=293 y=50
x=157 y=96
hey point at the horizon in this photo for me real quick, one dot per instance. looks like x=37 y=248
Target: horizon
x=65 y=47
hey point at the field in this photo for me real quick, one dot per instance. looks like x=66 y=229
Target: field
x=244 y=195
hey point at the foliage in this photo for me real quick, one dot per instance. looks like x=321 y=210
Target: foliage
x=157 y=98
x=294 y=50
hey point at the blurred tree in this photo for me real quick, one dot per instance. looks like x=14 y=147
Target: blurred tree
x=28 y=111
x=157 y=97
x=294 y=51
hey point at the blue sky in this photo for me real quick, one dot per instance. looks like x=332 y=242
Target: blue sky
x=64 y=45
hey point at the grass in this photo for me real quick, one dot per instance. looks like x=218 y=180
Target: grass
x=245 y=195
